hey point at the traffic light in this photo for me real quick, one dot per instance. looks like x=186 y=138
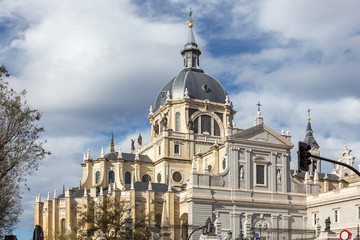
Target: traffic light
x=303 y=156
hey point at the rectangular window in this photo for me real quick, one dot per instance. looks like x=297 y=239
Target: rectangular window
x=336 y=215
x=159 y=150
x=314 y=219
x=176 y=149
x=260 y=172
x=358 y=211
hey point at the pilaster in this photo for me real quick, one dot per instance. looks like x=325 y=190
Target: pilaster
x=284 y=172
x=273 y=178
x=248 y=166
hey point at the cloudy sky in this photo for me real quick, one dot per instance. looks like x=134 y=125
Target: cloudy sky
x=92 y=67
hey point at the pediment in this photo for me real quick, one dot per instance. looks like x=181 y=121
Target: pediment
x=261 y=134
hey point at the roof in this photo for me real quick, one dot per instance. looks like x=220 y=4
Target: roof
x=309 y=138
x=200 y=86
x=139 y=186
x=157 y=187
x=331 y=176
x=127 y=157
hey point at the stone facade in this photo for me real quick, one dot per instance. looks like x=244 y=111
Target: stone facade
x=203 y=166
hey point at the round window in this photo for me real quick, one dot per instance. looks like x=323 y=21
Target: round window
x=159 y=177
x=146 y=178
x=177 y=177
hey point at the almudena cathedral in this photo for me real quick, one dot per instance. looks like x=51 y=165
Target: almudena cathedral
x=198 y=164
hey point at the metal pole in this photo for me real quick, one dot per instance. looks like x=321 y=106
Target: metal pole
x=336 y=162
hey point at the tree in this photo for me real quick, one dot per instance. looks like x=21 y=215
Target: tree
x=110 y=219
x=20 y=149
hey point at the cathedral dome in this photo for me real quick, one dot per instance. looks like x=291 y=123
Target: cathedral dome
x=199 y=85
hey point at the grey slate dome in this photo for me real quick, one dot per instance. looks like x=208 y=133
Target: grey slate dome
x=200 y=86
x=192 y=77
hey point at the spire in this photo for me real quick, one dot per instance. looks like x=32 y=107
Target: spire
x=149 y=186
x=112 y=145
x=191 y=51
x=109 y=191
x=84 y=157
x=309 y=138
x=55 y=194
x=88 y=155
x=193 y=167
x=132 y=182
x=102 y=155
x=169 y=188
x=164 y=218
x=120 y=154
x=85 y=193
x=101 y=191
x=48 y=197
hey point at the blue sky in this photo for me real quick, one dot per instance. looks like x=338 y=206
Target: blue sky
x=94 y=66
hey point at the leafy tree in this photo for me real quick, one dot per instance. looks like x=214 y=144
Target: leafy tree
x=20 y=149
x=107 y=220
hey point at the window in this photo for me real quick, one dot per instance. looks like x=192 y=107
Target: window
x=111 y=177
x=260 y=174
x=63 y=226
x=159 y=150
x=207 y=125
x=146 y=178
x=177 y=149
x=336 y=215
x=358 y=212
x=97 y=177
x=177 y=177
x=127 y=178
x=177 y=121
x=224 y=163
x=159 y=178
x=314 y=219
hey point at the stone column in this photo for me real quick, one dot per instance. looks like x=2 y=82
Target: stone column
x=285 y=225
x=275 y=226
x=235 y=223
x=248 y=167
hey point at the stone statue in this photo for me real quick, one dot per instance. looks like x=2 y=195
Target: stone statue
x=132 y=145
x=327 y=225
x=278 y=176
x=156 y=129
x=185 y=230
x=242 y=172
x=164 y=122
x=190 y=125
x=140 y=140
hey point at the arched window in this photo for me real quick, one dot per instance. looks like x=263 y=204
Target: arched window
x=205 y=124
x=177 y=121
x=146 y=178
x=159 y=178
x=63 y=226
x=127 y=178
x=97 y=177
x=111 y=177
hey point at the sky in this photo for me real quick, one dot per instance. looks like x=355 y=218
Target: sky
x=92 y=67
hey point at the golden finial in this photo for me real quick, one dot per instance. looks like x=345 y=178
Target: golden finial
x=190 y=22
x=309 y=118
